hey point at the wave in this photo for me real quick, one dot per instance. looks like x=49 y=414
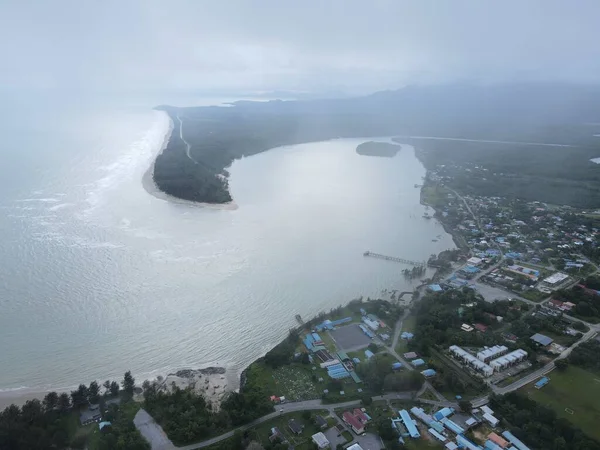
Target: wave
x=138 y=155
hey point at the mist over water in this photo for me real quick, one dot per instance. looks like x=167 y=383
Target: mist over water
x=99 y=277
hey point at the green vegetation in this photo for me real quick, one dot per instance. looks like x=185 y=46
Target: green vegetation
x=122 y=433
x=528 y=172
x=295 y=382
x=186 y=417
x=587 y=355
x=408 y=324
x=372 y=148
x=217 y=136
x=434 y=195
x=54 y=422
x=586 y=299
x=262 y=432
x=573 y=395
x=538 y=425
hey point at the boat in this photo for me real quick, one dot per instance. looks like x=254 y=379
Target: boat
x=434 y=240
x=299 y=319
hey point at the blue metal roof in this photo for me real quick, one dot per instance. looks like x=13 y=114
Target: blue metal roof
x=417 y=362
x=514 y=440
x=490 y=445
x=542 y=382
x=409 y=424
x=369 y=353
x=453 y=426
x=464 y=442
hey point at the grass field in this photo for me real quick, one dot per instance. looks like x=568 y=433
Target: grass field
x=575 y=390
x=409 y=324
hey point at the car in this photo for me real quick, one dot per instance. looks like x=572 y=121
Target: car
x=281 y=410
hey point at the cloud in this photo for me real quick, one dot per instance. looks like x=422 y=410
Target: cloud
x=268 y=44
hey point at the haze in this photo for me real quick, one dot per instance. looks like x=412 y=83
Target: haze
x=350 y=45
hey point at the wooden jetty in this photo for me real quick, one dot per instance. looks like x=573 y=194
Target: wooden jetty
x=394 y=258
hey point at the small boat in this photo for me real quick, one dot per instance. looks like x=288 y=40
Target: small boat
x=434 y=240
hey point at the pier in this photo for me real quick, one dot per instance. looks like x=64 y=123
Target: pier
x=395 y=259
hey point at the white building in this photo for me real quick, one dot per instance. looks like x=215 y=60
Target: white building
x=488 y=354
x=555 y=279
x=320 y=439
x=474 y=261
x=508 y=360
x=471 y=361
x=372 y=324
x=490 y=419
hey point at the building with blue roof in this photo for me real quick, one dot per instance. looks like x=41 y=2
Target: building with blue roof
x=452 y=426
x=489 y=445
x=396 y=366
x=356 y=360
x=410 y=425
x=406 y=335
x=417 y=362
x=465 y=443
x=542 y=382
x=514 y=440
x=435 y=288
x=437 y=435
x=428 y=373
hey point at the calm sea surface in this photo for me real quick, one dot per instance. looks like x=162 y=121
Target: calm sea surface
x=98 y=276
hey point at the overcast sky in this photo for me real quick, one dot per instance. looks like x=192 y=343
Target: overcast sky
x=243 y=45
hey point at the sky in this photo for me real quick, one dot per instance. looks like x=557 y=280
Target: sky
x=263 y=45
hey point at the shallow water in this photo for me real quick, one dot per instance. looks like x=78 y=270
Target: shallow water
x=99 y=277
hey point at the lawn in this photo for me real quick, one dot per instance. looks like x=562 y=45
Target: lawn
x=534 y=295
x=574 y=395
x=409 y=324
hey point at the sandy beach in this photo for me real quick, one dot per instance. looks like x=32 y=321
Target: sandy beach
x=152 y=189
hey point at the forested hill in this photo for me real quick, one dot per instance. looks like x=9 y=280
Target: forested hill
x=516 y=112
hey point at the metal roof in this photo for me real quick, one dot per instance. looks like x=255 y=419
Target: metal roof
x=541 y=339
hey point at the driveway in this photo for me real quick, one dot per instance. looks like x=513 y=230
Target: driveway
x=152 y=431
x=369 y=442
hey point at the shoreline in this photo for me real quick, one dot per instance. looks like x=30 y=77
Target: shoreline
x=151 y=187
x=212 y=382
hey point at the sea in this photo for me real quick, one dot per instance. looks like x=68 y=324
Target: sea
x=98 y=276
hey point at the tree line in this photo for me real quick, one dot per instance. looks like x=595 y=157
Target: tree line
x=49 y=423
x=538 y=426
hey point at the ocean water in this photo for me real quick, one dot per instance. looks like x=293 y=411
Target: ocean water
x=100 y=277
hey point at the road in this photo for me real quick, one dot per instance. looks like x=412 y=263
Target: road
x=187 y=146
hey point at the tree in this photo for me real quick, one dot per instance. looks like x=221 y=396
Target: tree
x=373 y=347
x=93 y=392
x=114 y=388
x=80 y=396
x=306 y=415
x=64 y=402
x=128 y=383
x=561 y=364
x=106 y=386
x=50 y=401
x=465 y=406
x=304 y=359
x=385 y=430
x=579 y=326
x=366 y=400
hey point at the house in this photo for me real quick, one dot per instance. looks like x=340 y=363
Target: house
x=499 y=441
x=320 y=439
x=295 y=426
x=465 y=327
x=90 y=414
x=276 y=434
x=104 y=426
x=480 y=327
x=320 y=422
x=356 y=419
x=542 y=340
x=410 y=355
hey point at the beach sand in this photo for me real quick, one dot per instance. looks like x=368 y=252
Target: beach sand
x=152 y=189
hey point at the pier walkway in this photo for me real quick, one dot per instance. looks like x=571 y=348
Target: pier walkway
x=394 y=258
